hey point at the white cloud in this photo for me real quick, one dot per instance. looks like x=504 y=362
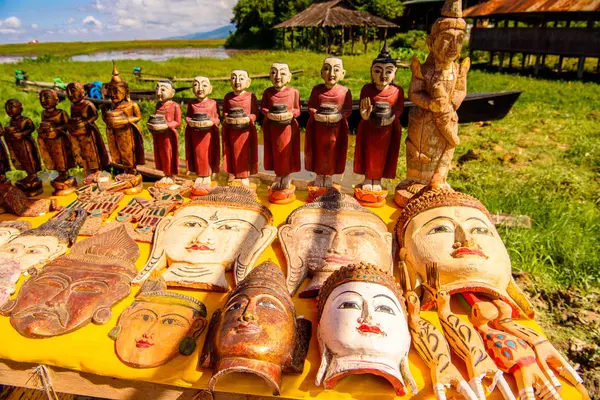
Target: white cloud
x=34 y=26
x=11 y=22
x=69 y=21
x=6 y=31
x=91 y=22
x=98 y=6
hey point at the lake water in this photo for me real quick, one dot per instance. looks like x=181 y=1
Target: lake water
x=143 y=54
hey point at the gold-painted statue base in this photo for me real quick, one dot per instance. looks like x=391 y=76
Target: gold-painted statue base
x=202 y=190
x=316 y=191
x=282 y=196
x=32 y=187
x=131 y=184
x=370 y=198
x=179 y=186
x=64 y=186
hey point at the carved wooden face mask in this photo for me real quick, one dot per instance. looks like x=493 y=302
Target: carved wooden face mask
x=77 y=288
x=11 y=229
x=362 y=327
x=158 y=326
x=227 y=229
x=333 y=231
x=257 y=331
x=454 y=231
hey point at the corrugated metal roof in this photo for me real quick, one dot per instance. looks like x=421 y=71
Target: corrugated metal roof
x=334 y=13
x=498 y=7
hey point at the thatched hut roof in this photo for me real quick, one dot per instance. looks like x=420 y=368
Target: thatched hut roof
x=334 y=13
x=504 y=7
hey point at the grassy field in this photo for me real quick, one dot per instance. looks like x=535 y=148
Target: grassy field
x=68 y=49
x=542 y=160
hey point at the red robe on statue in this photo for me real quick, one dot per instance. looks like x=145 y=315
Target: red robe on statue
x=166 y=149
x=282 y=142
x=325 y=147
x=240 y=146
x=202 y=150
x=377 y=148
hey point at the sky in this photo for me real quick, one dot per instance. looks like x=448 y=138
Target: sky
x=99 y=20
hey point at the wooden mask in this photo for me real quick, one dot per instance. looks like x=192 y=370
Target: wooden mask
x=227 y=229
x=158 y=326
x=455 y=231
x=363 y=328
x=11 y=229
x=257 y=331
x=335 y=230
x=76 y=288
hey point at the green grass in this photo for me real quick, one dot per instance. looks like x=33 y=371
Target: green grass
x=68 y=49
x=542 y=160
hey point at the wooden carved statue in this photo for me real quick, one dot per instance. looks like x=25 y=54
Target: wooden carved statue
x=55 y=144
x=202 y=142
x=88 y=146
x=14 y=201
x=257 y=331
x=379 y=131
x=163 y=125
x=437 y=88
x=226 y=229
x=281 y=106
x=76 y=288
x=334 y=230
x=455 y=231
x=432 y=347
x=4 y=160
x=547 y=356
x=125 y=140
x=362 y=328
x=240 y=141
x=36 y=247
x=158 y=326
x=21 y=146
x=11 y=229
x=326 y=140
x=465 y=342
x=512 y=355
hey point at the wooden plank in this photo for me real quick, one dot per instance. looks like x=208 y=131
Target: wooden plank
x=79 y=383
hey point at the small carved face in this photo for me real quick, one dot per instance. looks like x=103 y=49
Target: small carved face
x=256 y=324
x=448 y=44
x=48 y=99
x=327 y=241
x=239 y=80
x=61 y=299
x=152 y=331
x=364 y=318
x=164 y=91
x=13 y=108
x=7 y=233
x=201 y=87
x=463 y=242
x=75 y=93
x=332 y=71
x=213 y=235
x=32 y=250
x=117 y=93
x=383 y=74
x=10 y=272
x=280 y=75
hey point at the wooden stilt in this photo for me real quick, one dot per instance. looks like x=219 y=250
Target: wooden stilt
x=491 y=61
x=501 y=60
x=351 y=39
x=537 y=65
x=366 y=38
x=580 y=65
x=317 y=38
x=292 y=40
x=510 y=60
x=342 y=37
x=523 y=61
x=598 y=66
x=560 y=64
x=327 y=40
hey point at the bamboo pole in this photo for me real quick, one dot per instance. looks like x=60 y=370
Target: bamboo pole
x=351 y=40
x=343 y=40
x=366 y=38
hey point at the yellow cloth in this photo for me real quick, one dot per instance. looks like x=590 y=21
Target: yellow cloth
x=90 y=350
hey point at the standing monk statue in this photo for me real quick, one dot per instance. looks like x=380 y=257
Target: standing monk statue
x=437 y=88
x=326 y=141
x=125 y=140
x=55 y=144
x=88 y=146
x=163 y=125
x=240 y=142
x=22 y=148
x=379 y=131
x=281 y=106
x=4 y=161
x=202 y=142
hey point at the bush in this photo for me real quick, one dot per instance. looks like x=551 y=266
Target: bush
x=415 y=40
